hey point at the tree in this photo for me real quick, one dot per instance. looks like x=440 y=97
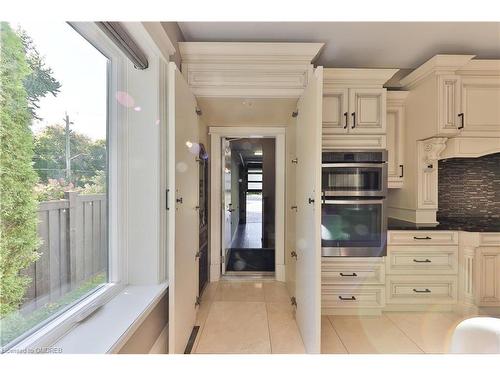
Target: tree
x=89 y=156
x=18 y=216
x=40 y=81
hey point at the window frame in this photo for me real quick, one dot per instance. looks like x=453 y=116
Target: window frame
x=51 y=331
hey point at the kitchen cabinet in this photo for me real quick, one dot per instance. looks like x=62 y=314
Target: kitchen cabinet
x=352 y=286
x=354 y=111
x=480 y=105
x=422 y=269
x=395 y=137
x=487 y=276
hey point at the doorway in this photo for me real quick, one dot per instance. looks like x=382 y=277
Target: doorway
x=249 y=205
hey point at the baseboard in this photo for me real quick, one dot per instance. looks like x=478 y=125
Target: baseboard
x=280 y=272
x=161 y=344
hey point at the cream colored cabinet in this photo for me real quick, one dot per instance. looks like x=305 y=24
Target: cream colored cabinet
x=480 y=105
x=354 y=111
x=336 y=110
x=395 y=137
x=487 y=276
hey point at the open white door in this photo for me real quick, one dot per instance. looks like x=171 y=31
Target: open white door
x=183 y=215
x=227 y=206
x=308 y=218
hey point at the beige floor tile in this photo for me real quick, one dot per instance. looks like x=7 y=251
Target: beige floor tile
x=235 y=327
x=431 y=331
x=276 y=292
x=372 y=335
x=244 y=291
x=285 y=335
x=330 y=341
x=210 y=291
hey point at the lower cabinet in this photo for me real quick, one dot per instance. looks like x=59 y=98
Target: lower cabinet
x=352 y=286
x=487 y=276
x=417 y=290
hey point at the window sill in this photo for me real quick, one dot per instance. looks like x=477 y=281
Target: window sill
x=109 y=328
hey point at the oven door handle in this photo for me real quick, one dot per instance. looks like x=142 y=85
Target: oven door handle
x=350 y=165
x=353 y=201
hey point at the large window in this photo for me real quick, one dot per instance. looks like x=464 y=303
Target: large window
x=54 y=174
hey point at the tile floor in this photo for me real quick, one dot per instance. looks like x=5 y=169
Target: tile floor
x=256 y=317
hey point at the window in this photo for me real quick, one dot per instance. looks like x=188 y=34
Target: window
x=254 y=179
x=54 y=246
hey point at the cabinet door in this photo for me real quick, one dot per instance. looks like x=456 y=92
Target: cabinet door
x=368 y=111
x=395 y=138
x=481 y=104
x=335 y=111
x=183 y=218
x=487 y=276
x=308 y=217
x=449 y=121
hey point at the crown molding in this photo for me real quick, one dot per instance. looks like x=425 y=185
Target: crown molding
x=446 y=64
x=480 y=68
x=357 y=76
x=257 y=53
x=396 y=97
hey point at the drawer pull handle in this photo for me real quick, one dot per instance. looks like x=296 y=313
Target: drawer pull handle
x=348 y=274
x=426 y=290
x=351 y=298
x=422 y=238
x=422 y=261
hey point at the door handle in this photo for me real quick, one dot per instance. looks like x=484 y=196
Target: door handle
x=422 y=261
x=426 y=290
x=402 y=170
x=461 y=115
x=422 y=238
x=230 y=210
x=346 y=115
x=353 y=120
x=351 y=298
x=354 y=274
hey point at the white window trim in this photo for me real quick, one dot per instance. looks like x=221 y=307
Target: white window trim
x=48 y=334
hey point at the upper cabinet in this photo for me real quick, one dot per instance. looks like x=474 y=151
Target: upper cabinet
x=480 y=104
x=356 y=110
x=454 y=95
x=354 y=104
x=395 y=137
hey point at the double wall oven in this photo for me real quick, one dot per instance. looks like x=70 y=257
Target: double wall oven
x=353 y=210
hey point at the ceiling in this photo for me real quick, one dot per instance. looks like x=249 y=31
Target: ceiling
x=403 y=45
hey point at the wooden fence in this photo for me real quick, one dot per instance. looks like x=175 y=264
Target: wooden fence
x=73 y=234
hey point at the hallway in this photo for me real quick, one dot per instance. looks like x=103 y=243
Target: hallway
x=247 y=317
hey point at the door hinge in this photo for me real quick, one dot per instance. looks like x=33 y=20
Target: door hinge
x=222 y=259
x=294 y=255
x=198 y=111
x=295 y=161
x=295 y=113
x=293 y=302
x=198 y=301
x=197 y=255
x=311 y=200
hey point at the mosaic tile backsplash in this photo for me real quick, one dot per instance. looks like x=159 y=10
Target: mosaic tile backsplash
x=469 y=187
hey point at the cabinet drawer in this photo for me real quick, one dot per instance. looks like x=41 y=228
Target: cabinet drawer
x=353 y=271
x=422 y=260
x=489 y=239
x=421 y=237
x=352 y=297
x=421 y=289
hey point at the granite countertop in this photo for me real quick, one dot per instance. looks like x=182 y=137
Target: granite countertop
x=470 y=224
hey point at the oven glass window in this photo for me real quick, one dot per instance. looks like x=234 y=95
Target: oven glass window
x=352 y=179
x=351 y=225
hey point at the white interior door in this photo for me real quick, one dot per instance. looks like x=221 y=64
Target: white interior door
x=308 y=218
x=183 y=214
x=227 y=206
